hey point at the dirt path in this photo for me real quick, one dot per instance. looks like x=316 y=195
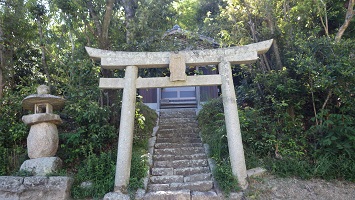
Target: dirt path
x=271 y=187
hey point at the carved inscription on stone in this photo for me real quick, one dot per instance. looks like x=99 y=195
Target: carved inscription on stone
x=177 y=67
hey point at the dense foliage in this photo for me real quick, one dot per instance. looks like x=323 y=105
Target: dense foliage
x=296 y=100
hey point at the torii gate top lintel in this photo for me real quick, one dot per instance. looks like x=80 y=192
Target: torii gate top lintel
x=235 y=55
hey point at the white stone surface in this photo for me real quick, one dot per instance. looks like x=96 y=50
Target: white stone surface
x=40 y=118
x=42 y=141
x=42 y=166
x=125 y=140
x=42 y=89
x=237 y=55
x=258 y=171
x=163 y=195
x=234 y=136
x=162 y=82
x=116 y=196
x=177 y=67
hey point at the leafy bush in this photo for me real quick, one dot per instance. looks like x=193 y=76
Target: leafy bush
x=335 y=135
x=99 y=162
x=13 y=132
x=213 y=130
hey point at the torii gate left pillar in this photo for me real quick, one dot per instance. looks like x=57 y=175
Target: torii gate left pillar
x=125 y=140
x=131 y=61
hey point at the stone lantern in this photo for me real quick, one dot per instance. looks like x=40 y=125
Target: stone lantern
x=42 y=140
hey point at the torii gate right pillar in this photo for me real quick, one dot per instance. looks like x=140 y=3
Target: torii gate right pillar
x=234 y=137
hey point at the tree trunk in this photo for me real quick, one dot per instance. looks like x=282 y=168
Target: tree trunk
x=43 y=49
x=349 y=15
x=2 y=64
x=130 y=12
x=275 y=47
x=101 y=32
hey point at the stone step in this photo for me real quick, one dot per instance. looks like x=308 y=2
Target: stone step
x=179 y=151
x=175 y=126
x=168 y=195
x=158 y=187
x=166 y=179
x=177 y=140
x=181 y=163
x=179 y=130
x=196 y=186
x=177 y=112
x=198 y=177
x=180 y=135
x=189 y=178
x=202 y=186
x=181 y=195
x=173 y=120
x=209 y=195
x=170 y=157
x=162 y=171
x=176 y=145
x=191 y=171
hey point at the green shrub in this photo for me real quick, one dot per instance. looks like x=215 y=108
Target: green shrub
x=99 y=154
x=224 y=176
x=13 y=132
x=335 y=135
x=213 y=130
x=98 y=170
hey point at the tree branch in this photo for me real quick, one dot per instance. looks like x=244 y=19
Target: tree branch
x=95 y=18
x=106 y=23
x=325 y=25
x=348 y=16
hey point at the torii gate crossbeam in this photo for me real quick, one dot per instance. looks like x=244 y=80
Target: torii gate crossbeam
x=131 y=61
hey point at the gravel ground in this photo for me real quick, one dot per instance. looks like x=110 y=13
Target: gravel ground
x=271 y=187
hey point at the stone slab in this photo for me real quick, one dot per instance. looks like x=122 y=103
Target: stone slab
x=198 y=177
x=29 y=102
x=41 y=117
x=236 y=55
x=162 y=82
x=258 y=171
x=177 y=67
x=164 y=195
x=209 y=195
x=196 y=186
x=35 y=188
x=158 y=187
x=162 y=171
x=116 y=196
x=42 y=166
x=166 y=179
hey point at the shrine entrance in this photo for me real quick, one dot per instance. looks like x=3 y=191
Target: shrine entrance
x=177 y=62
x=178 y=97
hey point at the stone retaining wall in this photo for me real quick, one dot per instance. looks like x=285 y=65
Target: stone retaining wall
x=35 y=188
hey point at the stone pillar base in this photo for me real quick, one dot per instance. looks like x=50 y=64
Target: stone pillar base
x=42 y=166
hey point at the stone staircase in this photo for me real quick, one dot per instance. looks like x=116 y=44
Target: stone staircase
x=180 y=168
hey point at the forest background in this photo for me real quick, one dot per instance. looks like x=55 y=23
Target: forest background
x=296 y=102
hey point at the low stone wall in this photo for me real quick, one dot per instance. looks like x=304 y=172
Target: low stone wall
x=35 y=188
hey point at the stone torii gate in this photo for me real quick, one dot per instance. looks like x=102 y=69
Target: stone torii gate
x=177 y=62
